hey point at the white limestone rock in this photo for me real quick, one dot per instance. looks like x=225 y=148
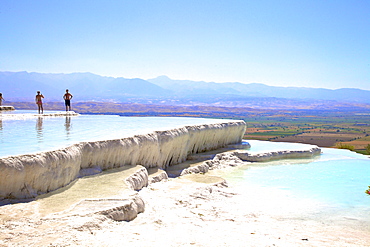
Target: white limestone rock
x=26 y=176
x=287 y=154
x=159 y=176
x=138 y=180
x=219 y=161
x=127 y=211
x=6 y=108
x=240 y=156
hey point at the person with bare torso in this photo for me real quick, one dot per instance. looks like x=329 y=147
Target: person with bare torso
x=67 y=99
x=1 y=99
x=38 y=99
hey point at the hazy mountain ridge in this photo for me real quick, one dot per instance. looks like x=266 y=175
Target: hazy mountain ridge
x=22 y=86
x=262 y=90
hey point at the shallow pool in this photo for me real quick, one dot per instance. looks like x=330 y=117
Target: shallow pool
x=30 y=133
x=330 y=187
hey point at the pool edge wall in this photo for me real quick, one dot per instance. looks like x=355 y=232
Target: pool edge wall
x=26 y=176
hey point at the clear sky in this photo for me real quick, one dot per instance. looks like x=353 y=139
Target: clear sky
x=309 y=43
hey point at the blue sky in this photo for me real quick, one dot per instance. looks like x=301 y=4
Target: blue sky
x=311 y=43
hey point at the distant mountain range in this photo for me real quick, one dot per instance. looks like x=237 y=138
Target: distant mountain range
x=22 y=86
x=190 y=88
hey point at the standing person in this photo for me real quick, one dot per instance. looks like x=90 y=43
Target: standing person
x=67 y=98
x=1 y=99
x=38 y=99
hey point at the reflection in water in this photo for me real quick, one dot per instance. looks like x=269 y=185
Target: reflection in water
x=68 y=127
x=39 y=129
x=1 y=130
x=20 y=136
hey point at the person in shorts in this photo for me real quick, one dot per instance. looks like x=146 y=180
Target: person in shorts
x=67 y=99
x=1 y=99
x=38 y=99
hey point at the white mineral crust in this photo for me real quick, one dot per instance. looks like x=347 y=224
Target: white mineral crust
x=26 y=176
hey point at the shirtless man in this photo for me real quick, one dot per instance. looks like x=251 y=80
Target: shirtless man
x=67 y=98
x=38 y=99
x=1 y=99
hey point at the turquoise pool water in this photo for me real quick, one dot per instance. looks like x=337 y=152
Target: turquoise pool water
x=29 y=133
x=329 y=188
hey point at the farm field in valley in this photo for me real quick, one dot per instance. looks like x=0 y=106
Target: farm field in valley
x=321 y=128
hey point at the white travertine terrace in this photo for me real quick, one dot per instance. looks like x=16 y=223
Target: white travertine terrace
x=237 y=157
x=26 y=176
x=6 y=108
x=309 y=152
x=15 y=116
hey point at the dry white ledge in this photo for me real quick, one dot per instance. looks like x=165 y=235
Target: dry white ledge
x=129 y=208
x=116 y=209
x=35 y=115
x=238 y=157
x=6 y=108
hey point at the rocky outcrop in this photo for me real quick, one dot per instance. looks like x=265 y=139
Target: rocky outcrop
x=138 y=180
x=238 y=157
x=286 y=154
x=127 y=210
